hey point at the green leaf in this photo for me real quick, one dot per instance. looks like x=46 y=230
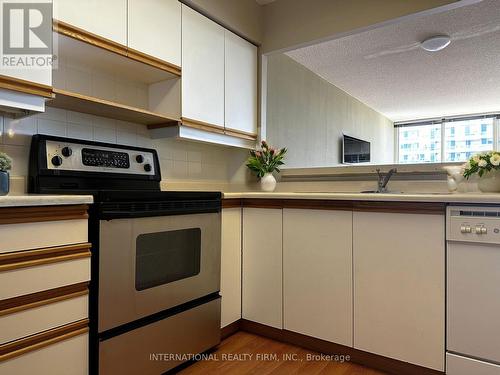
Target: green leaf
x=266 y=160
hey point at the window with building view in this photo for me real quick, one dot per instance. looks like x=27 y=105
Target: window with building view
x=420 y=144
x=449 y=140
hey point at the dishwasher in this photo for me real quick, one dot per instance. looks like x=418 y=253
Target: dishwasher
x=473 y=290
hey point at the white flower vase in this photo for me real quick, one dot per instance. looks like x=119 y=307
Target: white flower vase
x=268 y=182
x=455 y=177
x=490 y=182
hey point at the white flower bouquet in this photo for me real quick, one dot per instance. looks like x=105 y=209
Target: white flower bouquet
x=482 y=163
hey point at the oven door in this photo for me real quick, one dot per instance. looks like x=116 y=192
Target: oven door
x=151 y=264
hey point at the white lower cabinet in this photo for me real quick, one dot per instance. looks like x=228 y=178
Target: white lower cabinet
x=371 y=280
x=14 y=236
x=41 y=318
x=44 y=277
x=317 y=273
x=399 y=286
x=262 y=266
x=230 y=286
x=67 y=357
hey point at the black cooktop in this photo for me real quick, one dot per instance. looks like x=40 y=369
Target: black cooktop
x=154 y=196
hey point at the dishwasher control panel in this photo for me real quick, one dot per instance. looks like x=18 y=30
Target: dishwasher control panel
x=473 y=224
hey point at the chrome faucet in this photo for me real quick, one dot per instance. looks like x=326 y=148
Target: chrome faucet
x=384 y=180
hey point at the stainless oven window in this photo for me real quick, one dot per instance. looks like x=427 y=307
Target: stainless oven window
x=165 y=257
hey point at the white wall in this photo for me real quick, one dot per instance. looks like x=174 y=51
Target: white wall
x=307 y=115
x=242 y=16
x=180 y=161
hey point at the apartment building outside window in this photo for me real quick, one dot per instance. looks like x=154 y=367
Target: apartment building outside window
x=446 y=140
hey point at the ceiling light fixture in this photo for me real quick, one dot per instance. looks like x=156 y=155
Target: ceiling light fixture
x=436 y=43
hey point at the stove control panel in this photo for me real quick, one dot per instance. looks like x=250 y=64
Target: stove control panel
x=80 y=157
x=101 y=158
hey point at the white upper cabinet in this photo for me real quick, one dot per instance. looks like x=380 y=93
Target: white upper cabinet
x=317 y=273
x=154 y=28
x=41 y=75
x=202 y=69
x=240 y=84
x=107 y=19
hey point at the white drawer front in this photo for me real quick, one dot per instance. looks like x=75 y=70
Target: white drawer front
x=28 y=322
x=28 y=280
x=27 y=236
x=458 y=365
x=67 y=357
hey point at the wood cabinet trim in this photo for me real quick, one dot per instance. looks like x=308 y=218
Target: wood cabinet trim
x=27 y=87
x=200 y=125
x=18 y=215
x=85 y=36
x=262 y=203
x=37 y=257
x=375 y=361
x=82 y=35
x=102 y=107
x=231 y=203
x=240 y=134
x=46 y=297
x=42 y=339
x=430 y=208
x=205 y=126
x=318 y=204
x=153 y=61
x=313 y=204
x=230 y=329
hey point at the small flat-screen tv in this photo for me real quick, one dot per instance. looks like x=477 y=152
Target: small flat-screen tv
x=355 y=150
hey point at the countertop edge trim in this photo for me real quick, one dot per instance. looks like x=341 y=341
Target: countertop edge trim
x=432 y=208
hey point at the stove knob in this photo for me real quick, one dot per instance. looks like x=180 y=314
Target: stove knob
x=139 y=159
x=67 y=152
x=147 y=167
x=56 y=160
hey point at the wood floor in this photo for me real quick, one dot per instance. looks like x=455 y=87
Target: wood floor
x=245 y=353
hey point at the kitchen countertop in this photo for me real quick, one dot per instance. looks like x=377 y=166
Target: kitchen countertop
x=475 y=198
x=43 y=200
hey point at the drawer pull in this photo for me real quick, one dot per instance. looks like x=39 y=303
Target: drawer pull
x=43 y=339
x=30 y=258
x=17 y=215
x=30 y=301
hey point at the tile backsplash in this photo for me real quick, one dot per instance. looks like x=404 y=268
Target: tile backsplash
x=179 y=160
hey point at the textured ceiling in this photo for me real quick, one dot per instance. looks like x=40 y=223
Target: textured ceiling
x=386 y=69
